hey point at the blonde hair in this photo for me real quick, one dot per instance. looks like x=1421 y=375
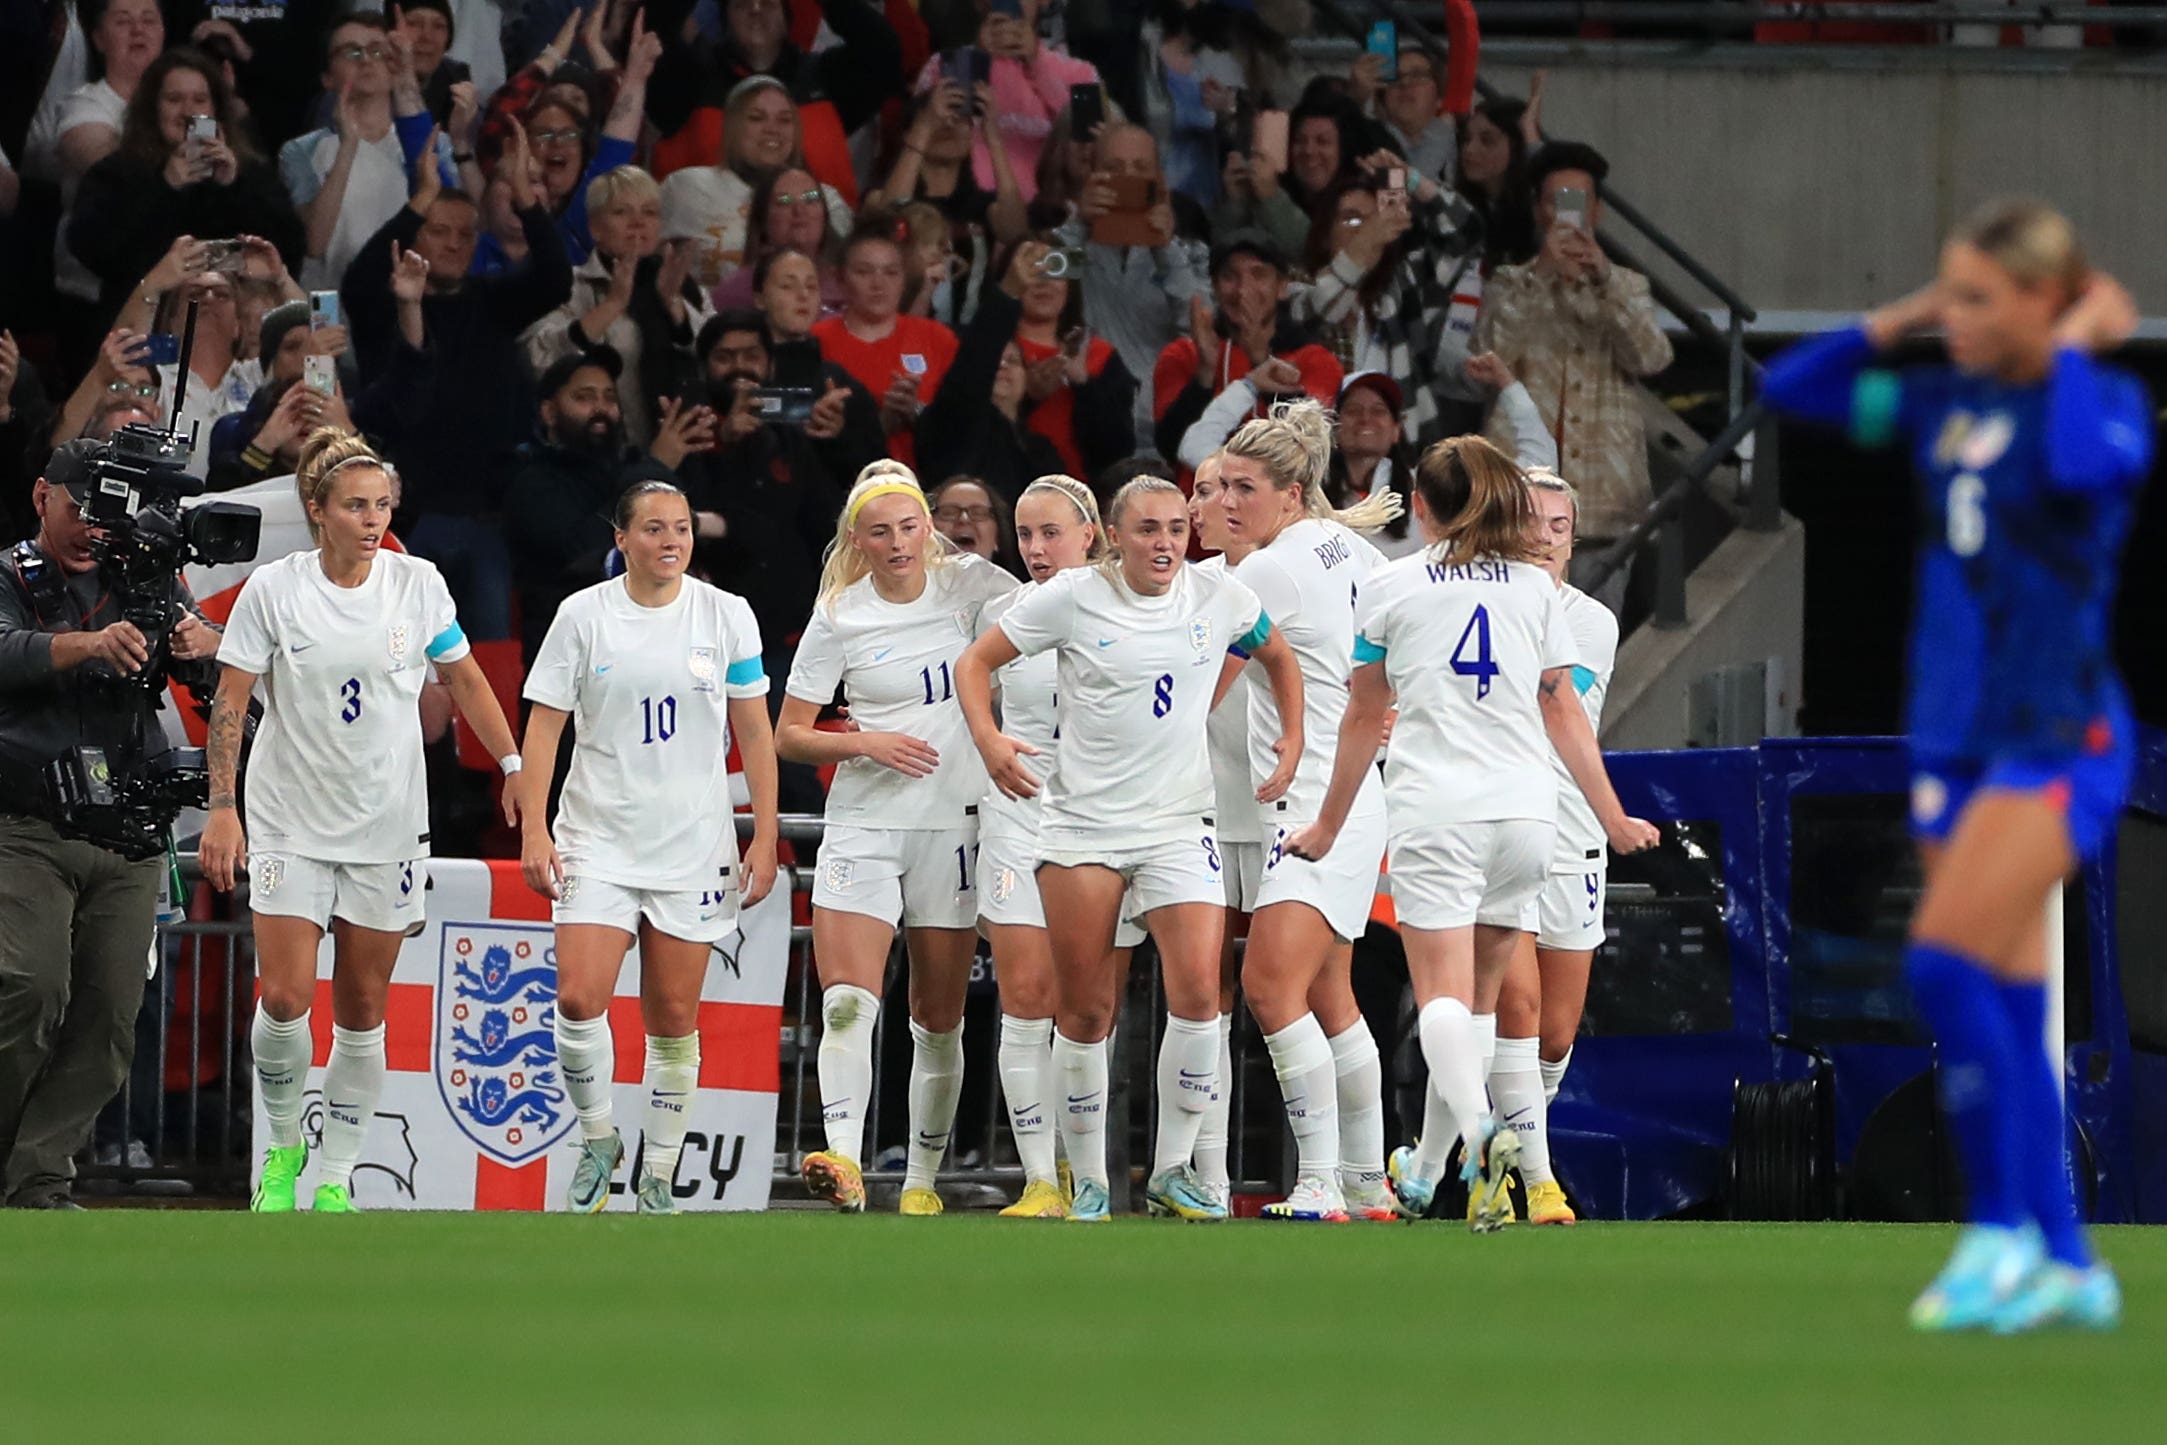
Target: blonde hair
x=327 y=451
x=843 y=564
x=1550 y=481
x=626 y=183
x=1134 y=487
x=1294 y=446
x=2032 y=241
x=1077 y=495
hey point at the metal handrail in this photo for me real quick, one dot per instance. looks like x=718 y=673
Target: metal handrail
x=1731 y=17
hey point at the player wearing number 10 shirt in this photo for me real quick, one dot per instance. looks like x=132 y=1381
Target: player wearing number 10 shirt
x=2030 y=454
x=1471 y=636
x=342 y=639
x=657 y=673
x=897 y=608
x=1143 y=645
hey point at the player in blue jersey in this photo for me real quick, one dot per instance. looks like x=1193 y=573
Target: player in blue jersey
x=2031 y=455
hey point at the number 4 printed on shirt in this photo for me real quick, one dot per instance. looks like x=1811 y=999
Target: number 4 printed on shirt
x=1480 y=667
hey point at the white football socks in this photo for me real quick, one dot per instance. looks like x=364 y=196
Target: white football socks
x=1516 y=1086
x=1080 y=1075
x=1450 y=1048
x=1433 y=1146
x=353 y=1081
x=1027 y=1081
x=936 y=1078
x=1188 y=1077
x=1310 y=1090
x=587 y=1057
x=1553 y=1076
x=672 y=1074
x=1211 y=1140
x=1359 y=1078
x=848 y=1016
x=282 y=1051
x=1486 y=1040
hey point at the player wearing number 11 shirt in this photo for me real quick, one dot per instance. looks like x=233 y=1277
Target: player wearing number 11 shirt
x=897 y=607
x=342 y=639
x=657 y=673
x=1470 y=635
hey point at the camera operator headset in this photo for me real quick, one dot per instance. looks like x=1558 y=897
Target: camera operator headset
x=76 y=916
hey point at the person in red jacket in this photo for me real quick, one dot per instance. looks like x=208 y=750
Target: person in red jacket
x=1249 y=336
x=899 y=359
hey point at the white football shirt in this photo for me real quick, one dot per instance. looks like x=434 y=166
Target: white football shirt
x=336 y=774
x=1465 y=647
x=647 y=803
x=1136 y=680
x=896 y=664
x=1029 y=692
x=1239 y=816
x=1582 y=844
x=1307 y=579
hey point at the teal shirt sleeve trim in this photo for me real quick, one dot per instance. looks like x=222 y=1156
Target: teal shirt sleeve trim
x=1583 y=680
x=745 y=670
x=448 y=640
x=1876 y=399
x=1256 y=636
x=1366 y=651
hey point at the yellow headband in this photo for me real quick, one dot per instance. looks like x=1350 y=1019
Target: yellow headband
x=885 y=489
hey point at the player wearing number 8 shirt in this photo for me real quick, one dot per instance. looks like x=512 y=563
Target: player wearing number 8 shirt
x=342 y=639
x=1142 y=641
x=657 y=673
x=1470 y=635
x=2030 y=455
x=897 y=607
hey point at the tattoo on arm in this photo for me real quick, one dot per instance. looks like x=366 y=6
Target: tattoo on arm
x=1552 y=680
x=225 y=748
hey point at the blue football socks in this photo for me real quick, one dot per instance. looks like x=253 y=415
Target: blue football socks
x=1964 y=1009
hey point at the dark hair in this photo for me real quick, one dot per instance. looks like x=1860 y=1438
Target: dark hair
x=878 y=225
x=456 y=193
x=1565 y=155
x=1006 y=555
x=1477 y=499
x=767 y=260
x=763 y=194
x=90 y=14
x=140 y=137
x=1072 y=309
x=733 y=318
x=1318 y=250
x=443 y=8
x=367 y=19
x=1509 y=220
x=1343 y=489
x=628 y=501
x=1321 y=102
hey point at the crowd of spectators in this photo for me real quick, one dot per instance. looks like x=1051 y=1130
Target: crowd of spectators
x=752 y=245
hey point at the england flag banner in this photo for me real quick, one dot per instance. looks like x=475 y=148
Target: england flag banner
x=474 y=1113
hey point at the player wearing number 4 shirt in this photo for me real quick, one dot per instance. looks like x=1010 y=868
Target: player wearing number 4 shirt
x=2030 y=456
x=1472 y=639
x=897 y=608
x=342 y=639
x=657 y=674
x=1142 y=643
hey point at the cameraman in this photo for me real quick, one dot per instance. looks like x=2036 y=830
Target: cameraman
x=76 y=919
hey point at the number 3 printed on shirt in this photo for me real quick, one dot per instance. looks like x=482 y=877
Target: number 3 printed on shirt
x=350 y=698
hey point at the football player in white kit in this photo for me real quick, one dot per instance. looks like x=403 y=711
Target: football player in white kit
x=657 y=673
x=1239 y=821
x=897 y=608
x=1306 y=566
x=1057 y=528
x=1143 y=652
x=342 y=638
x=1546 y=989
x=1472 y=639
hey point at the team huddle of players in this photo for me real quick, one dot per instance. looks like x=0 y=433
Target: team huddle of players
x=1128 y=743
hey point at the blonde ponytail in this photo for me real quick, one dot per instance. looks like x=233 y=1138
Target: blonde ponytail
x=329 y=450
x=1078 y=496
x=1294 y=446
x=843 y=564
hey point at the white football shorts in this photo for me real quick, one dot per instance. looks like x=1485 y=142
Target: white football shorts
x=387 y=897
x=907 y=877
x=1460 y=874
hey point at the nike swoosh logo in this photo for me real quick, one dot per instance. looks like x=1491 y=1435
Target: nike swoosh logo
x=1108 y=641
x=666 y=1094
x=1186 y=1074
x=1528 y=1110
x=602 y=667
x=1081 y=1098
x=882 y=653
x=300 y=647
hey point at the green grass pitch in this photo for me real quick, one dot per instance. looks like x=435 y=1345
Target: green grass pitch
x=500 y=1329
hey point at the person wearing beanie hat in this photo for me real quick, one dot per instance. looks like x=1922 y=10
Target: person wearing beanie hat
x=432 y=28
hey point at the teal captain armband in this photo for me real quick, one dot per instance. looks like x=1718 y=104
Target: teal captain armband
x=1256 y=636
x=1366 y=651
x=1876 y=398
x=445 y=641
x=744 y=670
x=1583 y=677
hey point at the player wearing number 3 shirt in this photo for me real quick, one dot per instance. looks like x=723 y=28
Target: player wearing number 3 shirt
x=897 y=607
x=656 y=672
x=342 y=639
